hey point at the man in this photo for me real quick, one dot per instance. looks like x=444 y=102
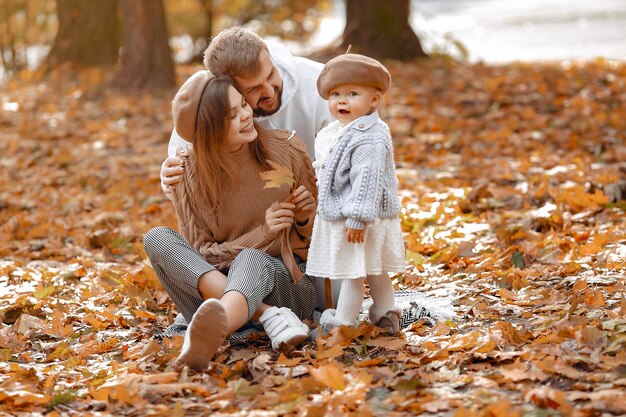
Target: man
x=280 y=88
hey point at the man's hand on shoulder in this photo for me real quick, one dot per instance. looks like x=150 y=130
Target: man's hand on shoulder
x=172 y=171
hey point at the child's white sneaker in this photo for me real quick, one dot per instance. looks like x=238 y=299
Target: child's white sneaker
x=329 y=320
x=284 y=328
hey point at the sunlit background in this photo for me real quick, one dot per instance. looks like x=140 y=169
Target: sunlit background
x=493 y=31
x=498 y=31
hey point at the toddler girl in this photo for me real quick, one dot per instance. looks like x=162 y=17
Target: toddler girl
x=356 y=234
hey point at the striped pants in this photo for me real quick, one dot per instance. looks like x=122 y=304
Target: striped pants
x=259 y=277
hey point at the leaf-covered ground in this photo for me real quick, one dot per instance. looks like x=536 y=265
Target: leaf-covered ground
x=513 y=180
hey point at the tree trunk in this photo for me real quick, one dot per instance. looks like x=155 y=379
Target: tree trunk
x=198 y=55
x=89 y=33
x=146 y=60
x=381 y=29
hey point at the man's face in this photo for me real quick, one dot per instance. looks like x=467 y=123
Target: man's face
x=263 y=89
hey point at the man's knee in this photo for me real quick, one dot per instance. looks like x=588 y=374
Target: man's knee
x=157 y=240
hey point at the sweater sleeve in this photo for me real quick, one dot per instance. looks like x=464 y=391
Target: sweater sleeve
x=196 y=229
x=367 y=162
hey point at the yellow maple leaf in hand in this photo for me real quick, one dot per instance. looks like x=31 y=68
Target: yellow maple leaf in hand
x=277 y=176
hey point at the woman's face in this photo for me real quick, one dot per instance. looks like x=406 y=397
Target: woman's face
x=239 y=121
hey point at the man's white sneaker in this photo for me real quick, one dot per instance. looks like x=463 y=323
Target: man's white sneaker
x=284 y=328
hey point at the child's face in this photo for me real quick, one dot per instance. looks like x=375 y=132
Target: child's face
x=350 y=101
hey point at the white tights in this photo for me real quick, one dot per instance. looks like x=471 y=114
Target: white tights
x=351 y=298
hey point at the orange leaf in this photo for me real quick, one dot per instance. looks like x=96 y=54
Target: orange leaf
x=598 y=244
x=329 y=375
x=101 y=394
x=57 y=328
x=370 y=362
x=595 y=300
x=465 y=341
x=277 y=176
x=334 y=351
x=23 y=397
x=503 y=408
x=390 y=343
x=507 y=295
x=282 y=360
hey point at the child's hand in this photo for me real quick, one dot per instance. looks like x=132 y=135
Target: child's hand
x=355 y=235
x=305 y=204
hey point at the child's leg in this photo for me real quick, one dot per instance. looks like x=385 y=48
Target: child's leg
x=381 y=290
x=383 y=311
x=350 y=300
x=348 y=305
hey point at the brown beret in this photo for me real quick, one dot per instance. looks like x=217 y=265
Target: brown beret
x=186 y=102
x=352 y=69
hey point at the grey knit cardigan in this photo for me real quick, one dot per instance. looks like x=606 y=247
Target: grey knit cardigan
x=358 y=180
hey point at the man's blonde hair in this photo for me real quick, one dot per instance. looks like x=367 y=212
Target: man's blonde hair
x=234 y=52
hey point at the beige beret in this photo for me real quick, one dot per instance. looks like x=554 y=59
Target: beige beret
x=186 y=102
x=352 y=69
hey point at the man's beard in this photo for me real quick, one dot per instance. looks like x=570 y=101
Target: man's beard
x=259 y=112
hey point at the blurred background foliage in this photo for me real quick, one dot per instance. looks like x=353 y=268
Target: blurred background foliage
x=192 y=22
x=28 y=27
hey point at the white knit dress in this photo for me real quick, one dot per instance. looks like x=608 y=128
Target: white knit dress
x=330 y=254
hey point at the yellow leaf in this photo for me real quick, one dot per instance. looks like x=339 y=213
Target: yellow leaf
x=329 y=375
x=243 y=388
x=42 y=292
x=277 y=176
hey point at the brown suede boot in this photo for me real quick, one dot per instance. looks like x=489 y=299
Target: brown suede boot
x=390 y=321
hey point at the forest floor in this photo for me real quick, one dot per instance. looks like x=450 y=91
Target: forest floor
x=513 y=183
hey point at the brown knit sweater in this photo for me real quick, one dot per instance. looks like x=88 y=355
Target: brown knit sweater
x=237 y=225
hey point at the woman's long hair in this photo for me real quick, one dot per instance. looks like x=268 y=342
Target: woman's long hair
x=213 y=172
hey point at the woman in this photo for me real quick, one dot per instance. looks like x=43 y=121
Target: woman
x=238 y=259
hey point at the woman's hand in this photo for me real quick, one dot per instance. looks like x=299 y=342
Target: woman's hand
x=355 y=235
x=305 y=204
x=278 y=217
